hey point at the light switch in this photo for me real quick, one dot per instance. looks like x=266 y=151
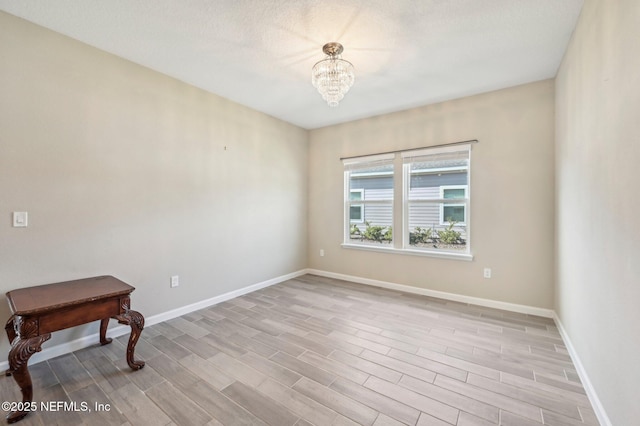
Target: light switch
x=20 y=219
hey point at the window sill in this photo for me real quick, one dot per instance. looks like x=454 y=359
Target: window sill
x=426 y=253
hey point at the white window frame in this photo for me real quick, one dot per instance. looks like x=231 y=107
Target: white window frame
x=353 y=164
x=455 y=203
x=400 y=204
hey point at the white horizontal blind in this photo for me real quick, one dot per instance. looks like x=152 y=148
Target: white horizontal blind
x=450 y=153
x=367 y=162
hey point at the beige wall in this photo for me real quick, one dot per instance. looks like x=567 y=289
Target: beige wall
x=598 y=237
x=124 y=171
x=512 y=186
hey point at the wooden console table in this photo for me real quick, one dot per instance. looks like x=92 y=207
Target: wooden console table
x=39 y=311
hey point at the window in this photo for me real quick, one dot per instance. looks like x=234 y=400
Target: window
x=453 y=211
x=436 y=200
x=356 y=211
x=369 y=200
x=431 y=213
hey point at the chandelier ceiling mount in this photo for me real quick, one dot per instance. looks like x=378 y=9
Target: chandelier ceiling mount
x=332 y=76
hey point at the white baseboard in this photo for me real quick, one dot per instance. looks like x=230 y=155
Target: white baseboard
x=222 y=298
x=512 y=307
x=598 y=408
x=92 y=339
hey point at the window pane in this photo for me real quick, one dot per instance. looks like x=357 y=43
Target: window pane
x=373 y=183
x=428 y=173
x=424 y=215
x=370 y=202
x=453 y=214
x=376 y=227
x=453 y=193
x=425 y=184
x=435 y=175
x=428 y=233
x=355 y=213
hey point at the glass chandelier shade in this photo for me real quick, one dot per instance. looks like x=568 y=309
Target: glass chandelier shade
x=333 y=76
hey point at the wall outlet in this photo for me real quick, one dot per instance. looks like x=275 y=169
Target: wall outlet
x=175 y=281
x=487 y=272
x=321 y=252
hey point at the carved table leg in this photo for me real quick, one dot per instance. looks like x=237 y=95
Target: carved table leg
x=136 y=321
x=11 y=334
x=9 y=328
x=104 y=340
x=21 y=351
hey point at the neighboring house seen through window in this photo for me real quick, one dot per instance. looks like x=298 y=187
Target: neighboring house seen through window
x=431 y=212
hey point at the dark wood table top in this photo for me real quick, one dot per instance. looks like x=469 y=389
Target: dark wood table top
x=51 y=297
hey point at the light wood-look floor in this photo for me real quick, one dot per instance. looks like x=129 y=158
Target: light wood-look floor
x=320 y=351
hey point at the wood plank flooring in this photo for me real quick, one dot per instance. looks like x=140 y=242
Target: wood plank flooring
x=319 y=351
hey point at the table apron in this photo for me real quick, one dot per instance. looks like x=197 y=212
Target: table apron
x=79 y=314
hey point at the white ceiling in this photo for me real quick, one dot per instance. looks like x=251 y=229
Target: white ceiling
x=259 y=53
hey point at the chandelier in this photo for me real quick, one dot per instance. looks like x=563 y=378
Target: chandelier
x=332 y=76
